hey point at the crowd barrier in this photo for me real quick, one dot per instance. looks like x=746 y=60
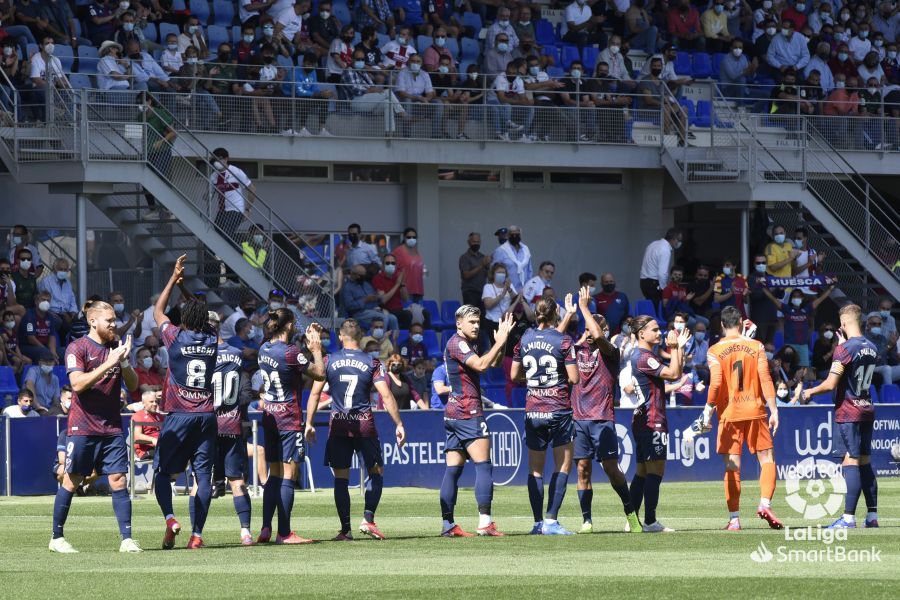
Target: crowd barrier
x=805 y=437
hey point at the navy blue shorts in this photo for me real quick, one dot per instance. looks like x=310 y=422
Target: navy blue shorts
x=462 y=432
x=597 y=440
x=107 y=454
x=339 y=451
x=186 y=438
x=853 y=439
x=650 y=445
x=284 y=446
x=231 y=456
x=545 y=429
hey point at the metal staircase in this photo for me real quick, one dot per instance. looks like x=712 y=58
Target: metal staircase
x=805 y=181
x=93 y=139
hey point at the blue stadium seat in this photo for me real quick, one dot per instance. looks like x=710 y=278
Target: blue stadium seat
x=223 y=11
x=179 y=6
x=436 y=321
x=473 y=20
x=643 y=307
x=494 y=393
x=165 y=29
x=717 y=63
x=88 y=57
x=80 y=81
x=552 y=52
x=518 y=397
x=544 y=33
x=702 y=67
x=589 y=56
x=402 y=336
x=342 y=12
x=568 y=53
x=683 y=63
x=890 y=393
x=217 y=34
x=150 y=32
x=704 y=113
x=8 y=386
x=813 y=336
x=778 y=340
x=31 y=49
x=65 y=55
x=236 y=34
x=200 y=9
x=470 y=50
x=432 y=345
x=284 y=61
x=448 y=311
x=422 y=42
x=453 y=47
x=873 y=392
x=556 y=72
x=383 y=39
x=689 y=108
x=60 y=372
x=464 y=67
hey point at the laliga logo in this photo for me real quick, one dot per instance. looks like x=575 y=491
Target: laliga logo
x=823 y=440
x=814 y=500
x=626 y=448
x=761 y=554
x=506 y=447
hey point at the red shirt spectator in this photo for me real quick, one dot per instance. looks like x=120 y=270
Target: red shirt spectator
x=145 y=377
x=797 y=18
x=841 y=102
x=683 y=24
x=411 y=263
x=674 y=291
x=847 y=67
x=389 y=281
x=144 y=449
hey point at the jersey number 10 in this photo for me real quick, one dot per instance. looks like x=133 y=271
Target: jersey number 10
x=225 y=388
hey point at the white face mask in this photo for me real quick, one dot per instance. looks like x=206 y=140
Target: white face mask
x=767 y=4
x=613 y=50
x=7 y=51
x=65 y=404
x=119 y=307
x=411 y=242
x=760 y=268
x=9 y=324
x=62 y=275
x=378 y=333
x=781 y=393
x=473 y=76
x=797 y=301
x=415 y=67
x=770 y=31
x=679 y=326
x=770 y=355
x=147 y=362
x=737 y=52
x=727 y=271
x=500 y=278
x=840 y=85
x=390 y=269
x=872 y=90
x=779 y=238
x=17 y=239
x=828 y=334
x=218 y=166
x=248 y=39
x=49 y=48
x=275 y=305
x=324 y=14
x=257 y=239
x=174 y=47
x=374 y=353
x=592 y=290
x=25 y=264
x=576 y=73
x=443 y=69
x=43 y=306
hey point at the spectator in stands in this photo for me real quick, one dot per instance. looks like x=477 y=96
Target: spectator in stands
x=103 y=19
x=147 y=433
x=311 y=97
x=366 y=97
x=127 y=31
x=18 y=34
x=249 y=11
x=223 y=74
x=147 y=74
x=584 y=27
x=502 y=25
x=360 y=252
x=780 y=254
x=888 y=323
x=607 y=94
x=391 y=283
x=445 y=84
x=19 y=240
x=171 y=60
x=243 y=341
x=886 y=362
x=280 y=46
x=360 y=300
x=786 y=367
x=764 y=314
x=16 y=72
x=612 y=304
x=43 y=383
x=380 y=339
x=820 y=17
x=411 y=264
x=507 y=93
x=440 y=387
x=684 y=27
x=62 y=297
x=843 y=63
x=655 y=92
x=61 y=408
x=497 y=58
x=523 y=25
x=887 y=20
x=46 y=68
x=409 y=14
x=889 y=63
x=797 y=315
x=843 y=101
x=230 y=183
x=788 y=50
x=823 y=350
x=860 y=44
x=498 y=295
x=702 y=288
x=24 y=406
x=616 y=67
x=819 y=63
x=640 y=31
x=515 y=257
x=473 y=270
x=413 y=348
x=340 y=54
x=396 y=53
x=23 y=279
x=431 y=57
x=375 y=14
x=796 y=14
x=730 y=288
x=9 y=337
x=126 y=323
x=160 y=135
x=420 y=378
x=767 y=32
x=808 y=261
x=113 y=71
x=736 y=70
x=324 y=27
x=369 y=45
x=414 y=89
x=715 y=27
x=289 y=21
x=192 y=36
x=406 y=396
x=872 y=108
x=871 y=69
x=159 y=353
x=148 y=373
x=655 y=266
x=534 y=287
x=675 y=297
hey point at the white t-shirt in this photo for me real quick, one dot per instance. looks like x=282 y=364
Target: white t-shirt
x=171 y=60
x=291 y=22
x=503 y=86
x=15 y=412
x=491 y=291
x=395 y=55
x=244 y=13
x=39 y=67
x=534 y=288
x=107 y=66
x=228 y=184
x=625 y=379
x=147 y=325
x=578 y=14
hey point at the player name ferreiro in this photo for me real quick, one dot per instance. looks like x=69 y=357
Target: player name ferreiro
x=351 y=363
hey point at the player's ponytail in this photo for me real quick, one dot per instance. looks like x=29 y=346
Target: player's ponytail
x=546 y=311
x=639 y=323
x=279 y=321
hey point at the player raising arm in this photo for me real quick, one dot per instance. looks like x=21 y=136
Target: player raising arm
x=592 y=404
x=548 y=358
x=351 y=374
x=467 y=430
x=282 y=365
x=649 y=424
x=97 y=365
x=850 y=377
x=188 y=434
x=740 y=387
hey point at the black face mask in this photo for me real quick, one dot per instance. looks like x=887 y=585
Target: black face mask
x=609 y=287
x=224 y=56
x=395 y=368
x=248 y=310
x=602 y=75
x=268 y=59
x=656 y=72
x=135 y=55
x=475 y=248
x=514 y=239
x=353 y=237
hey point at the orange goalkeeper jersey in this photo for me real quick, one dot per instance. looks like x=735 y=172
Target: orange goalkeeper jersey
x=739 y=379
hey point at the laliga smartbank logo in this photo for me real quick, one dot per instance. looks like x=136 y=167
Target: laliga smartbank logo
x=814 y=545
x=815 y=488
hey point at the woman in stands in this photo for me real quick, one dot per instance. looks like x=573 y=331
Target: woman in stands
x=406 y=396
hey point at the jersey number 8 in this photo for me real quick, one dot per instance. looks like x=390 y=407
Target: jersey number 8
x=196 y=374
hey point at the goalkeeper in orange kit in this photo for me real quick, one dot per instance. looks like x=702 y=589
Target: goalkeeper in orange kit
x=740 y=388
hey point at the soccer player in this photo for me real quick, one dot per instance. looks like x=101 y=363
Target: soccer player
x=548 y=358
x=281 y=366
x=740 y=387
x=592 y=404
x=97 y=365
x=189 y=432
x=231 y=395
x=851 y=375
x=467 y=430
x=351 y=374
x=649 y=425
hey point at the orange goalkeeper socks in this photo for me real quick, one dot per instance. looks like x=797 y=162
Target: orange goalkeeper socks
x=767 y=480
x=733 y=490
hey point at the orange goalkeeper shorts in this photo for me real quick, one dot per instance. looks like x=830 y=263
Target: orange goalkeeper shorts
x=734 y=434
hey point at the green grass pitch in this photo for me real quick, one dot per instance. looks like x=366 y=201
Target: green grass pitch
x=698 y=561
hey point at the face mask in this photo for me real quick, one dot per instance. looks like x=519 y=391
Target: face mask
x=767 y=4
x=172 y=47
x=845 y=16
x=62 y=275
x=500 y=278
x=872 y=90
x=268 y=31
x=524 y=23
x=534 y=71
x=415 y=67
x=257 y=239
x=25 y=264
x=797 y=301
x=801 y=7
x=49 y=48
x=218 y=166
x=839 y=85
x=43 y=306
x=700 y=335
x=395 y=368
x=191 y=61
x=9 y=324
x=275 y=305
x=609 y=287
x=727 y=271
x=440 y=42
x=769 y=355
x=7 y=51
x=147 y=362
x=16 y=240
x=378 y=332
x=374 y=353
x=417 y=338
x=892 y=54
x=324 y=14
x=884 y=313
x=626 y=329
x=192 y=29
x=119 y=308
x=719 y=9
x=875 y=330
x=592 y=290
x=443 y=69
x=514 y=238
x=613 y=50
x=656 y=71
x=878 y=43
x=26 y=410
x=779 y=238
x=782 y=393
x=390 y=269
x=863 y=34
x=248 y=39
x=679 y=326
x=828 y=334
x=128 y=26
x=842 y=56
x=760 y=268
x=306 y=15
x=770 y=31
x=46 y=369
x=401 y=40
x=737 y=52
x=503 y=47
x=798 y=243
x=65 y=404
x=473 y=76
x=576 y=73
x=411 y=242
x=359 y=64
x=786 y=33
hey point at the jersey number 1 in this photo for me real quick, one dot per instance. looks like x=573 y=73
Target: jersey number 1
x=739 y=367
